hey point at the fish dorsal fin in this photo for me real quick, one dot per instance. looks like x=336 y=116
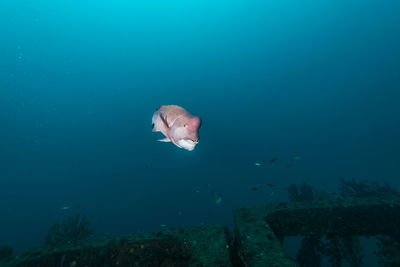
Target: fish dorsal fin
x=166 y=139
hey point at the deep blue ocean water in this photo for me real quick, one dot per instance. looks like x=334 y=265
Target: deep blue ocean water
x=80 y=80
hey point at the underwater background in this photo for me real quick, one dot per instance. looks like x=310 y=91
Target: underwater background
x=312 y=84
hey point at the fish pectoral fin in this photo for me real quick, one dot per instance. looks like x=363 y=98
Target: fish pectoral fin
x=164 y=120
x=166 y=139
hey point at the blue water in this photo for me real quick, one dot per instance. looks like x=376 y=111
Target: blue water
x=80 y=80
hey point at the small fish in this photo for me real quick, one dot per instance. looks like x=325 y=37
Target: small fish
x=257 y=163
x=296 y=158
x=218 y=197
x=255 y=188
x=196 y=192
x=178 y=126
x=65 y=208
x=271 y=185
x=273 y=160
x=163 y=225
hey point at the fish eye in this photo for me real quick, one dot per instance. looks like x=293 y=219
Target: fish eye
x=184 y=125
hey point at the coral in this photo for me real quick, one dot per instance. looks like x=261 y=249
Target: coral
x=69 y=232
x=365 y=189
x=306 y=192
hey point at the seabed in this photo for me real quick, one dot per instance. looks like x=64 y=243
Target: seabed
x=257 y=239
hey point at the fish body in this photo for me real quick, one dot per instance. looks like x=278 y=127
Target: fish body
x=296 y=158
x=177 y=125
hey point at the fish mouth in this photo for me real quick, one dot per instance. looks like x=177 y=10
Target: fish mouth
x=188 y=144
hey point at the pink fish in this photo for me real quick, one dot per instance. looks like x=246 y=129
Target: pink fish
x=178 y=126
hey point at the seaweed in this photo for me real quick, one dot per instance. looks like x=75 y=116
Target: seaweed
x=70 y=231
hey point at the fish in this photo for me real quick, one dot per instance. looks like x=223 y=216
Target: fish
x=177 y=125
x=217 y=197
x=296 y=158
x=271 y=185
x=255 y=188
x=273 y=160
x=257 y=163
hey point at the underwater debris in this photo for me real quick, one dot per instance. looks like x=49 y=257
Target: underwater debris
x=337 y=248
x=70 y=231
x=309 y=254
x=343 y=248
x=260 y=229
x=388 y=251
x=388 y=246
x=191 y=246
